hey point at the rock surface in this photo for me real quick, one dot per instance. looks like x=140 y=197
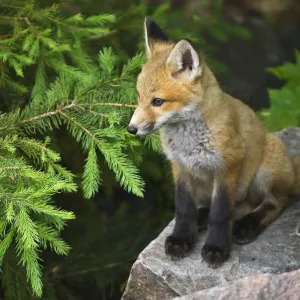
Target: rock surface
x=291 y=138
x=154 y=276
x=284 y=286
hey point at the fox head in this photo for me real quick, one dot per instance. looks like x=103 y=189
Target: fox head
x=169 y=84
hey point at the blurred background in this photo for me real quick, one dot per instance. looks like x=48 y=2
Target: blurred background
x=251 y=45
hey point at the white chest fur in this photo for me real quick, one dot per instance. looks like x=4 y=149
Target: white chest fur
x=187 y=143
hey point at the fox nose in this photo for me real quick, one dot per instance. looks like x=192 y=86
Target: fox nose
x=132 y=129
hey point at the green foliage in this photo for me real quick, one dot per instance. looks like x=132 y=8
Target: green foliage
x=284 y=107
x=42 y=38
x=29 y=221
x=91 y=102
x=88 y=109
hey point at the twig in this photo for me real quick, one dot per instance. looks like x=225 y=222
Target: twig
x=10 y=168
x=73 y=105
x=92 y=111
x=12 y=18
x=50 y=113
x=66 y=25
x=99 y=36
x=98 y=114
x=10 y=6
x=111 y=104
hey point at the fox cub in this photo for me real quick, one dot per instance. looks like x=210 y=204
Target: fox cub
x=231 y=175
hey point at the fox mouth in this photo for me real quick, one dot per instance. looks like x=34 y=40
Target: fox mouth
x=149 y=128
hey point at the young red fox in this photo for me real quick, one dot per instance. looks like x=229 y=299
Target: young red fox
x=224 y=162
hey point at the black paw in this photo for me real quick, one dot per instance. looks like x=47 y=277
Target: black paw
x=246 y=230
x=214 y=255
x=178 y=248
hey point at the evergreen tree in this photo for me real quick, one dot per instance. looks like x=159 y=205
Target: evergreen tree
x=70 y=92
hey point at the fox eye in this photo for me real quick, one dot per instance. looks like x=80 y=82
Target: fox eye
x=157 y=102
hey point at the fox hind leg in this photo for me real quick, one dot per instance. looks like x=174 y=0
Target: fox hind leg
x=271 y=187
x=246 y=229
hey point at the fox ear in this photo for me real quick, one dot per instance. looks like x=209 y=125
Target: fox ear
x=153 y=34
x=183 y=61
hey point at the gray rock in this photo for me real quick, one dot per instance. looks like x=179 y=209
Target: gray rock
x=284 y=286
x=154 y=276
x=276 y=250
x=291 y=138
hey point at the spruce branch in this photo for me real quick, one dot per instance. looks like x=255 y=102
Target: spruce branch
x=110 y=104
x=49 y=114
x=74 y=105
x=92 y=98
x=103 y=35
x=10 y=6
x=81 y=126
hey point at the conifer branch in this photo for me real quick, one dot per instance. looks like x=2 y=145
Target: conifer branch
x=10 y=168
x=12 y=18
x=64 y=24
x=100 y=36
x=66 y=88
x=97 y=113
x=10 y=6
x=111 y=104
x=74 y=105
x=50 y=113
x=80 y=126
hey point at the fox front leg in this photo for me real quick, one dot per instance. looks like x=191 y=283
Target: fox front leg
x=217 y=246
x=184 y=235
